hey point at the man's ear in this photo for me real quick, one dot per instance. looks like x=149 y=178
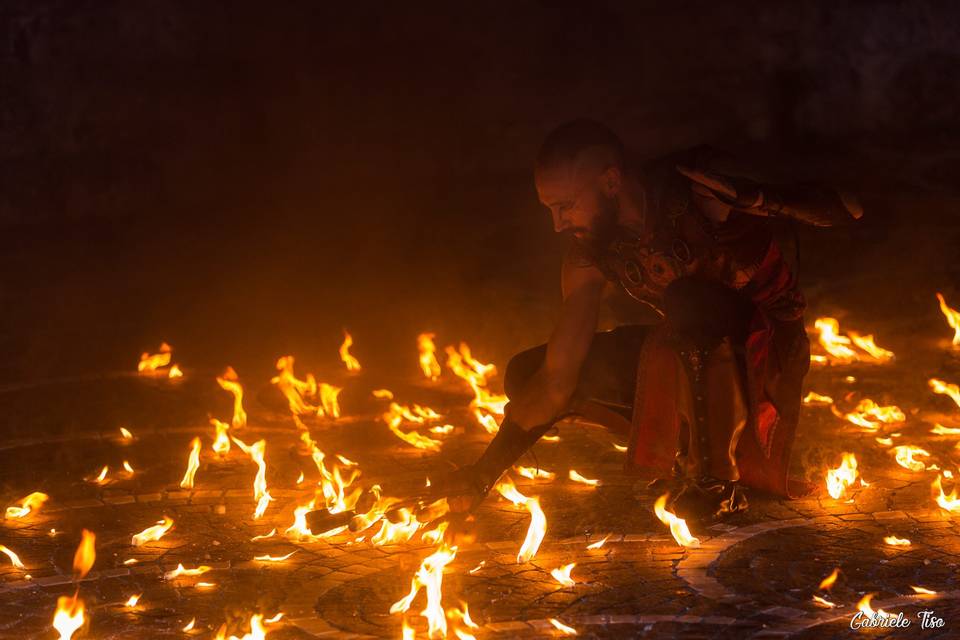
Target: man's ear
x=611 y=180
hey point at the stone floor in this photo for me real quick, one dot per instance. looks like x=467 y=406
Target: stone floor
x=752 y=577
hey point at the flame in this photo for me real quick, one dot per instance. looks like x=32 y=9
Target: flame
x=869 y=415
x=14 y=558
x=485 y=404
x=69 y=616
x=257 y=630
x=272 y=533
x=133 y=600
x=923 y=590
x=867 y=610
x=906 y=454
x=256 y=452
x=430 y=577
x=128 y=468
x=535 y=472
x=538 y=521
x=352 y=363
x=329 y=400
x=620 y=447
x=599 y=543
x=894 y=541
x=333 y=485
x=269 y=558
x=551 y=439
x=293 y=389
x=461 y=618
x=193 y=463
x=155 y=532
x=125 y=433
x=867 y=344
x=86 y=554
x=953 y=318
x=562 y=574
x=815 y=398
x=941 y=430
x=842 y=477
x=947 y=502
x=221 y=442
x=190 y=625
x=562 y=628
x=823 y=601
x=229 y=382
x=442 y=430
x=149 y=363
x=102 y=477
x=830 y=580
x=27 y=504
x=382 y=394
x=946 y=388
x=174 y=372
x=678 y=527
x=576 y=477
x=831 y=340
x=181 y=571
x=397 y=532
x=428 y=358
x=397 y=414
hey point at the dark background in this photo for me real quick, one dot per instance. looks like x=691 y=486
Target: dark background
x=244 y=179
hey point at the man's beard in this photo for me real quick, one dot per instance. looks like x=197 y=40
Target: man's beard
x=602 y=229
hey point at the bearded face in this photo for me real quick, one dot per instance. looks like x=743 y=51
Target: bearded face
x=579 y=205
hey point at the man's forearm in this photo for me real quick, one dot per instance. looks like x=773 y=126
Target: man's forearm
x=540 y=400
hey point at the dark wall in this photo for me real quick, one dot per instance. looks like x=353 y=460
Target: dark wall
x=204 y=172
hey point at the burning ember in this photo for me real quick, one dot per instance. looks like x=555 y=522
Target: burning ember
x=30 y=503
x=538 y=521
x=953 y=318
x=428 y=356
x=842 y=477
x=229 y=382
x=193 y=463
x=351 y=363
x=155 y=532
x=678 y=527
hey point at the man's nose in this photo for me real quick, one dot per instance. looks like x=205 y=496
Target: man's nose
x=559 y=223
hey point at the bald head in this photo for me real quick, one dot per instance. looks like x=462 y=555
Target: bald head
x=579 y=142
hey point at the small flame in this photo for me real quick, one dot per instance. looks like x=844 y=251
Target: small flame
x=867 y=344
x=329 y=400
x=535 y=472
x=428 y=357
x=174 y=372
x=295 y=390
x=923 y=590
x=125 y=433
x=69 y=616
x=947 y=502
x=953 y=318
x=257 y=630
x=940 y=430
x=182 y=571
x=619 y=447
x=869 y=415
x=398 y=414
x=86 y=554
x=14 y=558
x=562 y=628
x=599 y=543
x=383 y=394
x=29 y=503
x=256 y=452
x=221 y=441
x=352 y=363
x=269 y=558
x=229 y=381
x=133 y=600
x=842 y=477
x=272 y=533
x=562 y=574
x=823 y=601
x=538 y=521
x=867 y=610
x=894 y=541
x=430 y=577
x=678 y=526
x=815 y=398
x=837 y=345
x=193 y=463
x=189 y=626
x=149 y=363
x=830 y=580
x=128 y=468
x=906 y=455
x=946 y=388
x=102 y=477
x=576 y=477
x=155 y=532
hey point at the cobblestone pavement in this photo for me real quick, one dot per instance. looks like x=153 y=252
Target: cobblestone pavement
x=754 y=576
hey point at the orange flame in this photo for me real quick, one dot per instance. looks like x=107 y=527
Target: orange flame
x=867 y=610
x=14 y=558
x=906 y=457
x=562 y=574
x=155 y=532
x=397 y=414
x=229 y=381
x=831 y=340
x=869 y=415
x=538 y=521
x=534 y=473
x=894 y=541
x=193 y=463
x=175 y=372
x=842 y=477
x=428 y=357
x=125 y=433
x=133 y=600
x=953 y=318
x=827 y=583
x=221 y=442
x=947 y=502
x=382 y=394
x=815 y=398
x=946 y=388
x=678 y=526
x=352 y=363
x=576 y=477
x=599 y=543
x=329 y=400
x=295 y=390
x=29 y=503
x=149 y=363
x=182 y=571
x=562 y=628
x=257 y=630
x=430 y=577
x=485 y=405
x=69 y=616
x=867 y=344
x=86 y=554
